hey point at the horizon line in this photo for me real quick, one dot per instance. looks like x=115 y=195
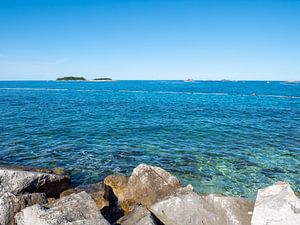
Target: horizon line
x=91 y=80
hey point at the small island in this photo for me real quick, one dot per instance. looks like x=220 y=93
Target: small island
x=103 y=79
x=71 y=78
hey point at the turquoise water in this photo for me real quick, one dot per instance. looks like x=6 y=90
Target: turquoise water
x=214 y=135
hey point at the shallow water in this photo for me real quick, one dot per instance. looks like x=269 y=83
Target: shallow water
x=214 y=135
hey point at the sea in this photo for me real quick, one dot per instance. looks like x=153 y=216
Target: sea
x=227 y=137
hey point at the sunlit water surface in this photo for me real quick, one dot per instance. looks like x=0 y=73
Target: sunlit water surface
x=215 y=135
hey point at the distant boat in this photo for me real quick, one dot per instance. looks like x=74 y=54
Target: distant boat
x=189 y=80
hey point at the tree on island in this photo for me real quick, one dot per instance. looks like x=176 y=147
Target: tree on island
x=70 y=78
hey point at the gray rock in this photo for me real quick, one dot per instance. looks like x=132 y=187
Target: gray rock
x=276 y=205
x=191 y=209
x=74 y=209
x=139 y=216
x=96 y=191
x=11 y=204
x=19 y=182
x=148 y=184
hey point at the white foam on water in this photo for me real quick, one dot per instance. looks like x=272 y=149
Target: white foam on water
x=190 y=93
x=280 y=96
x=35 y=89
x=93 y=90
x=133 y=91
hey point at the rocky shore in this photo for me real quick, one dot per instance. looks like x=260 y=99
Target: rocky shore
x=150 y=196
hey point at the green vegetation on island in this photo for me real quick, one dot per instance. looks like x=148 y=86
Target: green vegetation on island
x=103 y=78
x=71 y=78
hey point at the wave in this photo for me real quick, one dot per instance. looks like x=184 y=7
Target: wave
x=190 y=93
x=93 y=90
x=35 y=89
x=133 y=91
x=209 y=93
x=280 y=96
x=294 y=83
x=141 y=91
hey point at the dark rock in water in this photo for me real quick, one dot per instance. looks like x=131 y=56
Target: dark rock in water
x=191 y=209
x=10 y=204
x=276 y=204
x=74 y=209
x=148 y=184
x=17 y=182
x=139 y=216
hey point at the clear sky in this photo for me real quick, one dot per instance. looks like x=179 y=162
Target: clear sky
x=150 y=39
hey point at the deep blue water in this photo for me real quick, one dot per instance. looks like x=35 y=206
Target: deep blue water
x=214 y=135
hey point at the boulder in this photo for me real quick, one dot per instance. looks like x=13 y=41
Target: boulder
x=74 y=209
x=96 y=191
x=188 y=208
x=119 y=185
x=148 y=184
x=11 y=204
x=276 y=205
x=139 y=216
x=16 y=181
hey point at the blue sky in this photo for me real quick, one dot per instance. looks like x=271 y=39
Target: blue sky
x=150 y=39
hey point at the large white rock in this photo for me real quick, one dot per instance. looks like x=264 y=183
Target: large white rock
x=276 y=205
x=192 y=209
x=17 y=181
x=11 y=204
x=74 y=209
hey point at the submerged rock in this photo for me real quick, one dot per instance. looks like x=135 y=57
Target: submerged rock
x=191 y=209
x=11 y=204
x=276 y=205
x=148 y=184
x=18 y=182
x=74 y=209
x=139 y=216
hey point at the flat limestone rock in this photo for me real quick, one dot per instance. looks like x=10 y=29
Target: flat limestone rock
x=11 y=204
x=74 y=209
x=276 y=205
x=191 y=209
x=139 y=216
x=148 y=184
x=19 y=182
